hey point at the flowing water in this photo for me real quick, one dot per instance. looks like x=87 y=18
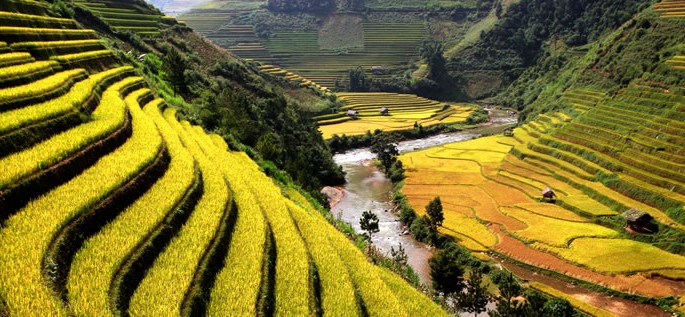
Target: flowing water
x=366 y=188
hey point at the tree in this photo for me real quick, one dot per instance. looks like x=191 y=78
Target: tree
x=446 y=270
x=358 y=79
x=475 y=297
x=559 y=307
x=509 y=290
x=369 y=223
x=386 y=150
x=434 y=213
x=176 y=65
x=432 y=52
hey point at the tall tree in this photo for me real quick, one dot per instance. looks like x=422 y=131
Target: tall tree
x=434 y=213
x=432 y=52
x=369 y=223
x=176 y=65
x=386 y=150
x=508 y=304
x=358 y=79
x=475 y=297
x=446 y=270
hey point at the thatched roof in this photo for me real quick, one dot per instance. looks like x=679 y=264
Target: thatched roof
x=634 y=215
x=548 y=192
x=384 y=110
x=352 y=112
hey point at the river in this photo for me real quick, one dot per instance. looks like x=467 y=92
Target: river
x=366 y=188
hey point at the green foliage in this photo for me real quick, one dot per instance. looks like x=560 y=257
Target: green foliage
x=446 y=270
x=386 y=150
x=369 y=223
x=432 y=52
x=300 y=5
x=358 y=80
x=475 y=297
x=434 y=213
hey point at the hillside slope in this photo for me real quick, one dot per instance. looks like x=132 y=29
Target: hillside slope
x=111 y=205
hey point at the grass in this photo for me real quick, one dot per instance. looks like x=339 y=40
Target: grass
x=21 y=278
x=97 y=262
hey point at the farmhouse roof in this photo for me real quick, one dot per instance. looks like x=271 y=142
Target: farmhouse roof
x=384 y=109
x=547 y=192
x=351 y=112
x=634 y=215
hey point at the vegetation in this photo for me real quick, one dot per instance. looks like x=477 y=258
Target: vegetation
x=115 y=205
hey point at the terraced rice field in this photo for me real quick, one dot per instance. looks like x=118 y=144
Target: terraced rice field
x=128 y=17
x=385 y=45
x=109 y=205
x=304 y=82
x=491 y=190
x=671 y=8
x=403 y=112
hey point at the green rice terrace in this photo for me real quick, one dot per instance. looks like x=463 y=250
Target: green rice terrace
x=111 y=205
x=128 y=17
x=378 y=45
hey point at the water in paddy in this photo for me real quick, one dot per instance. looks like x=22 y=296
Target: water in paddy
x=366 y=188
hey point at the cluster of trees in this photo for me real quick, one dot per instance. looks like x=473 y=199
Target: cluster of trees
x=518 y=40
x=294 y=6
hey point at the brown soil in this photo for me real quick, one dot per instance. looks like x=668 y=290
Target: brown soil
x=634 y=284
x=618 y=306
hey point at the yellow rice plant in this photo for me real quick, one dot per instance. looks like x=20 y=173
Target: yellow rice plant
x=166 y=283
x=68 y=58
x=26 y=235
x=106 y=118
x=553 y=231
x=12 y=30
x=237 y=285
x=70 y=101
x=617 y=255
x=36 y=88
x=37 y=18
x=55 y=44
x=23 y=70
x=413 y=301
x=18 y=57
x=96 y=264
x=292 y=265
x=378 y=298
x=337 y=290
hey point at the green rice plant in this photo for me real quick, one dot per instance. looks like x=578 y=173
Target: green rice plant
x=109 y=116
x=79 y=57
x=413 y=301
x=9 y=59
x=71 y=101
x=164 y=288
x=26 y=71
x=337 y=290
x=27 y=235
x=96 y=264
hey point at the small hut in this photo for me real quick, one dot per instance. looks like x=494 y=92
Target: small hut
x=352 y=113
x=548 y=194
x=385 y=111
x=639 y=221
